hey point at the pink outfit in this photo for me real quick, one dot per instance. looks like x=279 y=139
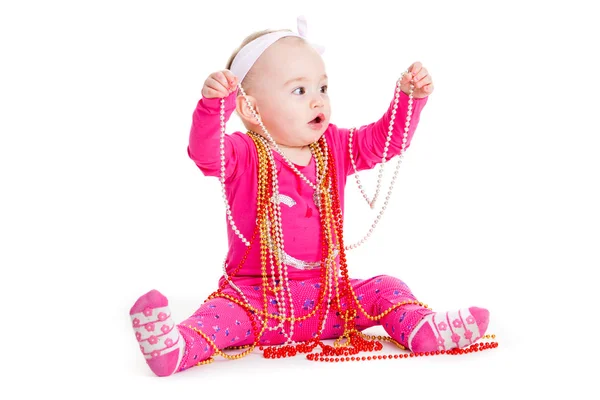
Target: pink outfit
x=226 y=323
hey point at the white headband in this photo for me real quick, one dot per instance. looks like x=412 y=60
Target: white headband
x=247 y=56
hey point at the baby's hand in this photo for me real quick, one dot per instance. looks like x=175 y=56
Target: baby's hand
x=219 y=84
x=422 y=81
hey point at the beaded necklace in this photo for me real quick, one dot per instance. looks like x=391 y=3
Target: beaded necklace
x=270 y=232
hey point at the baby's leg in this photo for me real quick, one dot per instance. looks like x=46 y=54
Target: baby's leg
x=224 y=322
x=381 y=293
x=169 y=348
x=160 y=340
x=414 y=326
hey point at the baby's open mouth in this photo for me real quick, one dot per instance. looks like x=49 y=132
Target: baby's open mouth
x=318 y=119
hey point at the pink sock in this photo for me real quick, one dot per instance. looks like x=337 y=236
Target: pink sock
x=160 y=341
x=448 y=330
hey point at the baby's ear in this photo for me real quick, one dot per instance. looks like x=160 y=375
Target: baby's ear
x=243 y=111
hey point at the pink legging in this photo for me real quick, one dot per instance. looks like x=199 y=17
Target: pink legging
x=228 y=324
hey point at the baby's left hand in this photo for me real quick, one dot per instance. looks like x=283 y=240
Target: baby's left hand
x=422 y=81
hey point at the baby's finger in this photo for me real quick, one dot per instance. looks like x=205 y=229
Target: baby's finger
x=415 y=68
x=231 y=78
x=221 y=78
x=213 y=92
x=421 y=75
x=217 y=84
x=426 y=80
x=428 y=88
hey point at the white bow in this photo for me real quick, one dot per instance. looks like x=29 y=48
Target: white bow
x=303 y=31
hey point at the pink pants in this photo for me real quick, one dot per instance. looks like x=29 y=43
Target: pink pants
x=228 y=324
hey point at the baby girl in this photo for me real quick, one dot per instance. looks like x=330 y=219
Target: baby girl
x=285 y=278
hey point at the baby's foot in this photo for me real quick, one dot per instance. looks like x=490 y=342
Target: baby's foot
x=448 y=330
x=160 y=341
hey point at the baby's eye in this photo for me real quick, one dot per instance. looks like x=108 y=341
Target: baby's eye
x=300 y=88
x=324 y=88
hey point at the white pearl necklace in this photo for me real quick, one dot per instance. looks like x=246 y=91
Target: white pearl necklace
x=276 y=146
x=222 y=180
x=282 y=270
x=316 y=186
x=383 y=161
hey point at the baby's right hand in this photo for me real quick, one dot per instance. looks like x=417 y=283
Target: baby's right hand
x=219 y=84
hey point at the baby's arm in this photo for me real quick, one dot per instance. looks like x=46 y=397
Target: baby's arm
x=204 y=143
x=368 y=141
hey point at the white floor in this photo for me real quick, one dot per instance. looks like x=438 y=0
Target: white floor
x=496 y=203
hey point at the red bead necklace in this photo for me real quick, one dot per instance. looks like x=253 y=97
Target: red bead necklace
x=331 y=237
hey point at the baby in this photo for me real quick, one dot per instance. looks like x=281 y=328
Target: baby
x=285 y=279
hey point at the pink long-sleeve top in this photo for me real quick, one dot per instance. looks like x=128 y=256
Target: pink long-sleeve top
x=300 y=217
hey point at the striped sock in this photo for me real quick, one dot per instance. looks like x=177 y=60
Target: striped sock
x=160 y=341
x=449 y=330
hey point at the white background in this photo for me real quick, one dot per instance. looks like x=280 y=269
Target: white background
x=496 y=203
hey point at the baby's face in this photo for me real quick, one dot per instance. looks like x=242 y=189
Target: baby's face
x=291 y=91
